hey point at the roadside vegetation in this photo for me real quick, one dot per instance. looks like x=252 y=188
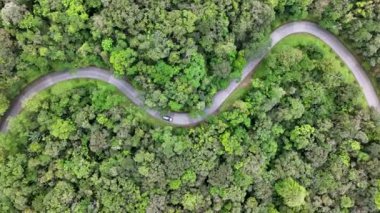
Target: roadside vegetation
x=290 y=42
x=298 y=140
x=178 y=54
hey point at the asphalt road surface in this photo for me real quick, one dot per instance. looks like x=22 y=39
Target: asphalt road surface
x=185 y=119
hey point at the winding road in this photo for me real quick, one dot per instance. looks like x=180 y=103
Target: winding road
x=184 y=119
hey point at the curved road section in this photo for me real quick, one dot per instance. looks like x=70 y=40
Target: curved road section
x=184 y=119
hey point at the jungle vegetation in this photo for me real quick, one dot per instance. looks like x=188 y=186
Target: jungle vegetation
x=300 y=139
x=178 y=52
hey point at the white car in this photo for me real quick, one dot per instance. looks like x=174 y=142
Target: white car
x=167 y=118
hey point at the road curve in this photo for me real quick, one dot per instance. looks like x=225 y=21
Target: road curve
x=184 y=119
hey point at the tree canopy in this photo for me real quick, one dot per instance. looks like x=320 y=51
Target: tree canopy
x=299 y=139
x=81 y=146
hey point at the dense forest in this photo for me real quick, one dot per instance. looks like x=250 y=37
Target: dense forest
x=178 y=52
x=301 y=139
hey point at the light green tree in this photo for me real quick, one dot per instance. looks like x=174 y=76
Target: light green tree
x=292 y=193
x=61 y=129
x=377 y=195
x=122 y=60
x=191 y=201
x=301 y=136
x=346 y=202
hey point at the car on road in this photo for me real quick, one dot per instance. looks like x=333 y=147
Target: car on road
x=167 y=118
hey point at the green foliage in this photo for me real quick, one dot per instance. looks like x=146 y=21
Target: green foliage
x=189 y=176
x=195 y=71
x=175 y=184
x=377 y=195
x=62 y=129
x=345 y=158
x=107 y=44
x=239 y=63
x=362 y=156
x=356 y=22
x=191 y=201
x=272 y=209
x=60 y=197
x=346 y=202
x=301 y=136
x=231 y=144
x=4 y=104
x=84 y=148
x=105 y=97
x=377 y=199
x=143 y=170
x=162 y=73
x=293 y=8
x=291 y=192
x=127 y=165
x=122 y=61
x=352 y=146
x=174 y=106
x=8 y=57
